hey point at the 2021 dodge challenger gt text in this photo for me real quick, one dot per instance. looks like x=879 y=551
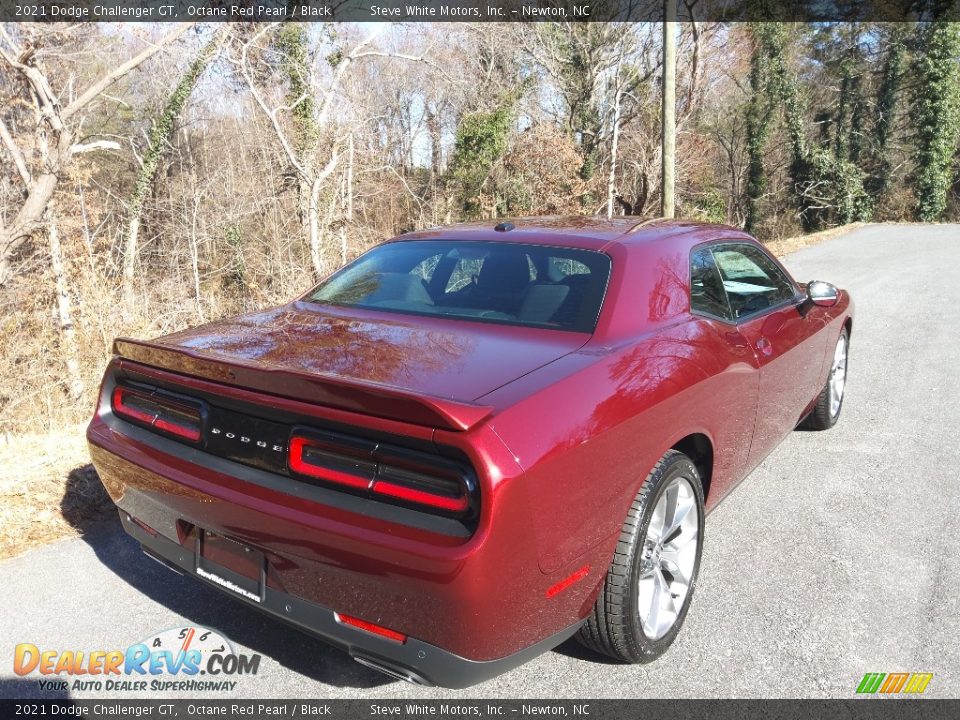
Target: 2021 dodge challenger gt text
x=474 y=442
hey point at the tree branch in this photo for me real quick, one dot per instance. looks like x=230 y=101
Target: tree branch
x=111 y=77
x=46 y=98
x=96 y=145
x=271 y=114
x=16 y=154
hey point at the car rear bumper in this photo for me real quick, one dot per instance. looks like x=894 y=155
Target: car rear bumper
x=471 y=607
x=413 y=660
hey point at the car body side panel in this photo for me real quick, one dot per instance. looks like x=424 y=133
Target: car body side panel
x=790 y=353
x=601 y=428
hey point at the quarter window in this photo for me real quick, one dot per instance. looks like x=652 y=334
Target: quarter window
x=707 y=294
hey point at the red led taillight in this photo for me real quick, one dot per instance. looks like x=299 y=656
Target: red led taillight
x=162 y=413
x=371 y=628
x=396 y=474
x=321 y=460
x=420 y=489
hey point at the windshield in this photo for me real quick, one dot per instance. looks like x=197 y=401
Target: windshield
x=516 y=284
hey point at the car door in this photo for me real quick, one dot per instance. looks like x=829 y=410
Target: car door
x=766 y=304
x=734 y=390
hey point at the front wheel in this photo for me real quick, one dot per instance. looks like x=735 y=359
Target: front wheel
x=827 y=410
x=647 y=591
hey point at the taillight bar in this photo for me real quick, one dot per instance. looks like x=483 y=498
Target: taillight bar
x=386 y=472
x=321 y=460
x=157 y=411
x=421 y=497
x=421 y=483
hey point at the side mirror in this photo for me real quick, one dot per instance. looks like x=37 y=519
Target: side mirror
x=823 y=293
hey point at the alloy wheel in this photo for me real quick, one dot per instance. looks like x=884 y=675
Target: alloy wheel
x=669 y=558
x=838 y=375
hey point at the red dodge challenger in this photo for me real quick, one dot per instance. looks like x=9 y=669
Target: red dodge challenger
x=474 y=442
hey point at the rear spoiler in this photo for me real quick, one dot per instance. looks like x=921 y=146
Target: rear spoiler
x=369 y=398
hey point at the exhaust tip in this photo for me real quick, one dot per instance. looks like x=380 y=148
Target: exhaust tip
x=394 y=671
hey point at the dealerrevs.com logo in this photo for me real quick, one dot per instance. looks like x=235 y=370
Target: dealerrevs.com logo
x=180 y=659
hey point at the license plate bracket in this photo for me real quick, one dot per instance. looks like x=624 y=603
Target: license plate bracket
x=232 y=565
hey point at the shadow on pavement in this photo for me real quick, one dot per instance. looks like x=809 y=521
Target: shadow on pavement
x=85 y=503
x=572 y=649
x=204 y=606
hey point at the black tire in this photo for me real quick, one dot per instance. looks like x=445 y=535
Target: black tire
x=823 y=416
x=615 y=627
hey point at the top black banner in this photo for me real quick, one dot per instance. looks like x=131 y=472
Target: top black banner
x=475 y=10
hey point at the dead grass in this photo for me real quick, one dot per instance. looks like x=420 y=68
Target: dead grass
x=788 y=245
x=48 y=489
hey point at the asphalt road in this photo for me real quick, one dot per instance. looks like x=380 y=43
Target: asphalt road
x=837 y=556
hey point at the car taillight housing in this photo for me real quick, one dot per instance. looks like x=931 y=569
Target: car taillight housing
x=406 y=477
x=180 y=419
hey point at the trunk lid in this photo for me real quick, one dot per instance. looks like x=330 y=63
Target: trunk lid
x=419 y=369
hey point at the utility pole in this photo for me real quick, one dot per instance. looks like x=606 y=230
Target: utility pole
x=669 y=129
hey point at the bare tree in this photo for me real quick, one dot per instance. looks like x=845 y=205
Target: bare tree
x=55 y=133
x=160 y=133
x=314 y=166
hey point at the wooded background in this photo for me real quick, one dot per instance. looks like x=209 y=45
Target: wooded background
x=154 y=177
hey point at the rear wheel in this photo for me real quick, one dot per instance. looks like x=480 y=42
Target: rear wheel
x=647 y=591
x=827 y=410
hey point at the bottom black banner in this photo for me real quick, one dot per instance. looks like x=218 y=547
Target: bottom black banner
x=484 y=709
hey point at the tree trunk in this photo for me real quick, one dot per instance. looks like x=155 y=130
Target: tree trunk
x=68 y=336
x=316 y=239
x=614 y=143
x=28 y=220
x=348 y=213
x=669 y=108
x=194 y=259
x=436 y=155
x=887 y=96
x=614 y=139
x=160 y=135
x=935 y=117
x=29 y=217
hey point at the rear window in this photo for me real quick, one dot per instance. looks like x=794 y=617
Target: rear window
x=497 y=282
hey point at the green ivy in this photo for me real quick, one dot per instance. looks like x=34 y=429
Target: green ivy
x=713 y=207
x=887 y=96
x=292 y=43
x=163 y=127
x=759 y=117
x=481 y=142
x=934 y=116
x=828 y=184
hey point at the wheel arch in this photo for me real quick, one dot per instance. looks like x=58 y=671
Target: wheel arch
x=699 y=448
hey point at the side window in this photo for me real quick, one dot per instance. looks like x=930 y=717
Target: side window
x=751 y=279
x=707 y=294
